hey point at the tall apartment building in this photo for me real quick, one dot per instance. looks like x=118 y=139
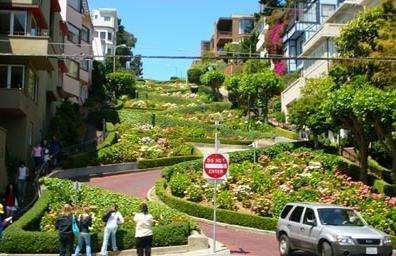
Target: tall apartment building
x=105 y=23
x=321 y=44
x=232 y=29
x=78 y=49
x=30 y=30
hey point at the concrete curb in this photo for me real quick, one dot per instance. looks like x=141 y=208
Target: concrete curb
x=151 y=196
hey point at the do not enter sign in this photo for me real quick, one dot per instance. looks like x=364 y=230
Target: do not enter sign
x=215 y=166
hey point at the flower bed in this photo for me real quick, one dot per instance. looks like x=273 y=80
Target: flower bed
x=283 y=175
x=35 y=232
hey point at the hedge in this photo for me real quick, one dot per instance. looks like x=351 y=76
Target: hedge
x=222 y=141
x=23 y=237
x=200 y=211
x=110 y=139
x=166 y=161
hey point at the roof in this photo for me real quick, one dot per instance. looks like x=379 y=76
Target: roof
x=318 y=205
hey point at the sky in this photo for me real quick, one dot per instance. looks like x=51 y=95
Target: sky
x=172 y=27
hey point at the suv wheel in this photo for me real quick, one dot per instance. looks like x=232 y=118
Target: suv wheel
x=284 y=245
x=326 y=250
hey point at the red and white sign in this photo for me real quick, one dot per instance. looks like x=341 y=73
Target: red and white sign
x=215 y=166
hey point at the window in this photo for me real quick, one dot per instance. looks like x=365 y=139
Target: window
x=109 y=51
x=74 y=34
x=246 y=26
x=85 y=34
x=12 y=76
x=286 y=211
x=107 y=18
x=13 y=22
x=103 y=35
x=296 y=214
x=5 y=23
x=35 y=31
x=3 y=76
x=96 y=34
x=327 y=11
x=96 y=16
x=75 y=4
x=74 y=68
x=309 y=216
x=85 y=64
x=109 y=36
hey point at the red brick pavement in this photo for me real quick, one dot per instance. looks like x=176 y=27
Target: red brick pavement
x=135 y=184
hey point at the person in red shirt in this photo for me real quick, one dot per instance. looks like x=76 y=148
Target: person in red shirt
x=10 y=199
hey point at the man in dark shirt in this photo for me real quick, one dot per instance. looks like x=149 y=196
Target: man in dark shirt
x=84 y=223
x=64 y=226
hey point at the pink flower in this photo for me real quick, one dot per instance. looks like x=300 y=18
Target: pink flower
x=280 y=67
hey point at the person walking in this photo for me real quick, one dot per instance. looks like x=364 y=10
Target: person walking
x=144 y=233
x=37 y=154
x=84 y=223
x=55 y=148
x=113 y=218
x=11 y=201
x=64 y=226
x=22 y=174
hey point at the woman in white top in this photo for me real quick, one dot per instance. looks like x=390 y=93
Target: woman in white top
x=22 y=175
x=144 y=233
x=113 y=218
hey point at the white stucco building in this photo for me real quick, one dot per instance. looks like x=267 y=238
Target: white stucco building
x=105 y=21
x=322 y=44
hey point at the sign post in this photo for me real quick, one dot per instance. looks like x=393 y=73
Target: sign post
x=215 y=168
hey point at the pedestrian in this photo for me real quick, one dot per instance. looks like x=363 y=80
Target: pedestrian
x=37 y=154
x=1 y=220
x=55 y=149
x=144 y=233
x=64 y=226
x=84 y=223
x=113 y=218
x=22 y=174
x=11 y=201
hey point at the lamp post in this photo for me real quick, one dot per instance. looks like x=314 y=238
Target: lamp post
x=114 y=53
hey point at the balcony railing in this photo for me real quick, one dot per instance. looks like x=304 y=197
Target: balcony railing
x=14 y=101
x=224 y=33
x=325 y=31
x=25 y=45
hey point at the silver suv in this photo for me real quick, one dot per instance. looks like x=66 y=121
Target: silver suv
x=328 y=230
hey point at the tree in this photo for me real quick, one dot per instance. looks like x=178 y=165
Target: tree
x=120 y=83
x=127 y=38
x=308 y=111
x=260 y=88
x=255 y=66
x=67 y=124
x=232 y=85
x=194 y=75
x=214 y=79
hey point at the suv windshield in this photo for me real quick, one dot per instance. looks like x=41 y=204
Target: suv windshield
x=339 y=217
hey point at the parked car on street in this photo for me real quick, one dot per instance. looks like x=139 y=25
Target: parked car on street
x=328 y=230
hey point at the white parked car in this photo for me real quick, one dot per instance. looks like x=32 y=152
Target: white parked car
x=328 y=230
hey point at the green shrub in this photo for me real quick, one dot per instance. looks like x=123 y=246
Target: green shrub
x=80 y=160
x=225 y=200
x=110 y=139
x=194 y=75
x=167 y=161
x=179 y=184
x=194 y=193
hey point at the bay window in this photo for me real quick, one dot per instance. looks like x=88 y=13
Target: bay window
x=13 y=22
x=85 y=34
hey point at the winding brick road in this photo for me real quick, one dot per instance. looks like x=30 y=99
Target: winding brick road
x=238 y=241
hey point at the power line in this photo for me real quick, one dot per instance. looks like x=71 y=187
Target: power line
x=268 y=57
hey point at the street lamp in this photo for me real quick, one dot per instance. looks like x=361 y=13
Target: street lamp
x=114 y=53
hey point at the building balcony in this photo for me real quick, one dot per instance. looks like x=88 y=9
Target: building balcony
x=291 y=93
x=14 y=102
x=325 y=31
x=32 y=48
x=71 y=86
x=317 y=69
x=346 y=11
x=298 y=29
